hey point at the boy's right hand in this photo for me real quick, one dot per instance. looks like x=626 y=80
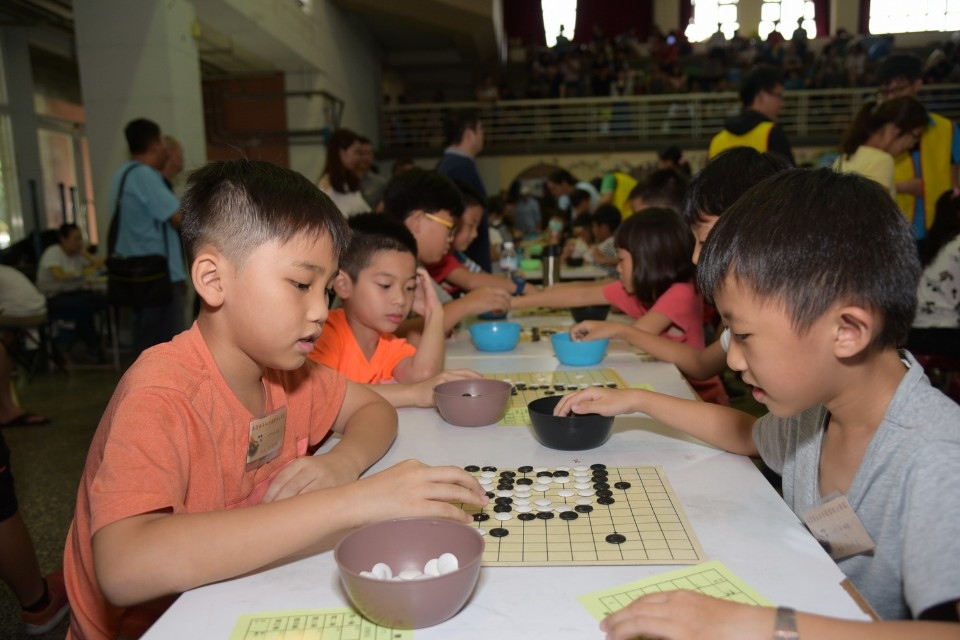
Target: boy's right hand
x=486 y=299
x=606 y=402
x=425 y=388
x=413 y=489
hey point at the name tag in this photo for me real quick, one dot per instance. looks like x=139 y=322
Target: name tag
x=266 y=438
x=836 y=526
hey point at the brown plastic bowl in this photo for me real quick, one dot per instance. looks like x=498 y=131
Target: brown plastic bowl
x=574 y=432
x=472 y=403
x=408 y=543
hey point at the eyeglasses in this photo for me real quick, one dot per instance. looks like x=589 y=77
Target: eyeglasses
x=447 y=223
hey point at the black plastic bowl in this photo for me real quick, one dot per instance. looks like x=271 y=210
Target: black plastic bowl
x=593 y=312
x=574 y=432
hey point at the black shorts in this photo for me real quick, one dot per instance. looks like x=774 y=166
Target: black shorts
x=8 y=497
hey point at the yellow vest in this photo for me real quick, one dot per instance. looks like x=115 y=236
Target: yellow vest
x=757 y=138
x=621 y=196
x=935 y=168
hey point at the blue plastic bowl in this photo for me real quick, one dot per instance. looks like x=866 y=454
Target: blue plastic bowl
x=492 y=315
x=578 y=354
x=495 y=336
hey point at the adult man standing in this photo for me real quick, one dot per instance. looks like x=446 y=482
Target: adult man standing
x=761 y=94
x=561 y=184
x=148 y=219
x=464 y=139
x=923 y=174
x=173 y=165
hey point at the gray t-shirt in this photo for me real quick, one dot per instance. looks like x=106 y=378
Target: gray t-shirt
x=906 y=492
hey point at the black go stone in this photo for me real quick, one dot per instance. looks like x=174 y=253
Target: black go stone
x=522 y=386
x=569 y=515
x=489 y=469
x=513 y=392
x=472 y=468
x=558 y=387
x=490 y=494
x=525 y=469
x=507 y=474
x=604 y=493
x=549 y=392
x=544 y=474
x=605 y=501
x=598 y=466
x=481 y=517
x=583 y=508
x=502 y=508
x=622 y=485
x=561 y=474
x=525 y=481
x=616 y=538
x=504 y=486
x=499 y=533
x=545 y=515
x=504 y=501
x=526 y=517
x=601 y=486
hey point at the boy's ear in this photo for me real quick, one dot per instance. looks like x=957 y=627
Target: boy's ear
x=207 y=272
x=343 y=285
x=855 y=328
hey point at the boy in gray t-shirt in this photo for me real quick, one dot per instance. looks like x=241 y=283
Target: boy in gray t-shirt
x=815 y=275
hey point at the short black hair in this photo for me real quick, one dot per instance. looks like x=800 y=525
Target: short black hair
x=812 y=238
x=577 y=196
x=239 y=205
x=662 y=188
x=725 y=178
x=661 y=245
x=373 y=233
x=457 y=122
x=561 y=176
x=908 y=66
x=140 y=134
x=761 y=78
x=421 y=190
x=469 y=195
x=609 y=215
x=582 y=220
x=66 y=229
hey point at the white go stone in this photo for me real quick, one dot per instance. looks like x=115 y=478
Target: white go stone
x=488 y=474
x=521 y=502
x=502 y=516
x=586 y=492
x=561 y=479
x=431 y=568
x=560 y=508
x=504 y=493
x=410 y=574
x=566 y=493
x=382 y=571
x=542 y=502
x=448 y=563
x=563 y=468
x=523 y=508
x=541 y=487
x=584 y=501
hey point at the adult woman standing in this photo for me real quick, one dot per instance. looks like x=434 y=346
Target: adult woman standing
x=880 y=132
x=340 y=179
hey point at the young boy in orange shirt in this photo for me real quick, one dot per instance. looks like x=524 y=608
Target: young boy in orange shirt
x=379 y=283
x=197 y=472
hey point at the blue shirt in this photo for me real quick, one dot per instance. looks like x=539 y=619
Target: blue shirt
x=145 y=210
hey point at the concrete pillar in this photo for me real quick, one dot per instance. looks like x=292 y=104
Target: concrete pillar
x=23 y=120
x=137 y=60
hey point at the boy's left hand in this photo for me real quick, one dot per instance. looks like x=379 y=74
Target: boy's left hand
x=683 y=615
x=425 y=299
x=307 y=474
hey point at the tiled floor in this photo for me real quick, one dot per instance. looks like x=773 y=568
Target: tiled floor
x=47 y=462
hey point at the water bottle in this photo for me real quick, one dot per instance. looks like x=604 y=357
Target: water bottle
x=508 y=260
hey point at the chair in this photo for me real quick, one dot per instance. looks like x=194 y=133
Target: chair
x=31 y=345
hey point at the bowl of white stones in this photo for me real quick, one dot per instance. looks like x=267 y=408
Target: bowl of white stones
x=410 y=573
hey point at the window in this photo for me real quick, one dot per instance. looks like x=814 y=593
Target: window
x=782 y=16
x=558 y=14
x=708 y=15
x=897 y=16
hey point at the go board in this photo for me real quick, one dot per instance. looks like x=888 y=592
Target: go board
x=711 y=579
x=529 y=386
x=313 y=624
x=582 y=515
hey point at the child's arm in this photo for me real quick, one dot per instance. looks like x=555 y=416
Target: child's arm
x=468 y=280
x=421 y=393
x=476 y=302
x=698 y=364
x=367 y=425
x=720 y=426
x=569 y=294
x=155 y=554
x=683 y=615
x=428 y=360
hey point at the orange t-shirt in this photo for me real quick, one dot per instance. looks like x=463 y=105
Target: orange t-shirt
x=337 y=348
x=174 y=438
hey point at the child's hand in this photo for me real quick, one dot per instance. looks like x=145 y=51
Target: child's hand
x=606 y=402
x=486 y=299
x=413 y=489
x=682 y=615
x=425 y=299
x=425 y=388
x=594 y=330
x=307 y=474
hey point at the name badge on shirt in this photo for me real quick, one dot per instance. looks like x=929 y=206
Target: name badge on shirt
x=836 y=526
x=266 y=438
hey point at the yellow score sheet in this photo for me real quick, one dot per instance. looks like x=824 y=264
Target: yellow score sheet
x=313 y=624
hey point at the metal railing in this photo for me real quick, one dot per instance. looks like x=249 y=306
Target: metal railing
x=816 y=116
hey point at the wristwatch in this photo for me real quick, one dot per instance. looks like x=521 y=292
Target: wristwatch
x=521 y=284
x=785 y=624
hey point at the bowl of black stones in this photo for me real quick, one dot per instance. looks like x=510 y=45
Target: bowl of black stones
x=574 y=432
x=591 y=312
x=473 y=402
x=409 y=573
